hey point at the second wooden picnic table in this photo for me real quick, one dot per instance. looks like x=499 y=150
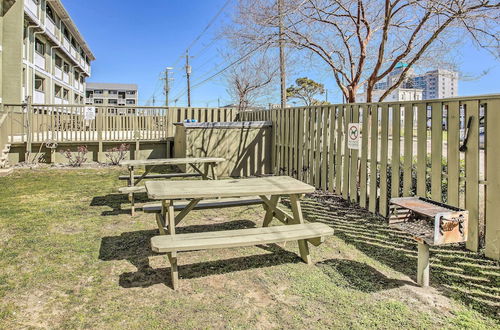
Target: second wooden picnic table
x=209 y=171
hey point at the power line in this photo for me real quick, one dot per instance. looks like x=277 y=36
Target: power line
x=209 y=24
x=239 y=60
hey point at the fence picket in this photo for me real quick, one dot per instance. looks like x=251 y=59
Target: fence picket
x=363 y=170
x=472 y=174
x=396 y=150
x=492 y=231
x=436 y=151
x=372 y=201
x=453 y=155
x=384 y=140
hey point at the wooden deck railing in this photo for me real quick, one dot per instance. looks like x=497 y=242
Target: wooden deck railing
x=29 y=124
x=407 y=148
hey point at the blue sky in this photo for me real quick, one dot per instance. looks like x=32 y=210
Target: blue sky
x=134 y=43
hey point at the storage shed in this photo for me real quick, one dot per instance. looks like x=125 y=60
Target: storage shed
x=245 y=145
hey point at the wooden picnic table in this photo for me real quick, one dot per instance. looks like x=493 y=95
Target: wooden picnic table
x=269 y=189
x=207 y=173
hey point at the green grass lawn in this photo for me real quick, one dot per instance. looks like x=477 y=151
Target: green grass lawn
x=72 y=257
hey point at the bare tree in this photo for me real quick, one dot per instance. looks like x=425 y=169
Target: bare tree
x=247 y=79
x=362 y=41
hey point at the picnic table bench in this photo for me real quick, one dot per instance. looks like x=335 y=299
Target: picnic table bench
x=269 y=190
x=207 y=173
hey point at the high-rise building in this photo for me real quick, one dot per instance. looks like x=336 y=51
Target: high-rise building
x=106 y=94
x=42 y=53
x=437 y=84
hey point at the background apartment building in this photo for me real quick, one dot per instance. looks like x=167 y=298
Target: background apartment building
x=107 y=94
x=43 y=55
x=436 y=84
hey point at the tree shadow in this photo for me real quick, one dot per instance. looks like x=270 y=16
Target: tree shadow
x=135 y=247
x=456 y=272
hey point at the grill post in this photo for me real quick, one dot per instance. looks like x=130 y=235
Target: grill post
x=423 y=265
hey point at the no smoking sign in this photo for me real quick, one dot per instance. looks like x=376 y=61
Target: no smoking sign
x=353 y=134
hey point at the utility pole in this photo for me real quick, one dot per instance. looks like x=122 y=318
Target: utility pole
x=282 y=55
x=167 y=84
x=188 y=77
x=154 y=101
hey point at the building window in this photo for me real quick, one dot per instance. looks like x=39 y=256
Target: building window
x=65 y=31
x=130 y=92
x=58 y=91
x=98 y=101
x=39 y=84
x=58 y=61
x=39 y=47
x=65 y=94
x=98 y=91
x=50 y=13
x=76 y=76
x=73 y=42
x=112 y=101
x=112 y=92
x=130 y=101
x=66 y=67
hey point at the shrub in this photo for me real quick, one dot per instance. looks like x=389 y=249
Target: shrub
x=78 y=159
x=116 y=154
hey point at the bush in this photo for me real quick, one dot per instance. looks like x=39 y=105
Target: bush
x=116 y=154
x=78 y=159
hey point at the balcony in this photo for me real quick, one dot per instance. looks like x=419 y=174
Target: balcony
x=58 y=100
x=50 y=27
x=65 y=44
x=39 y=97
x=58 y=73
x=66 y=77
x=40 y=61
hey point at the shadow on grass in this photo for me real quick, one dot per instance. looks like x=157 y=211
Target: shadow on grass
x=136 y=248
x=115 y=202
x=359 y=276
x=458 y=273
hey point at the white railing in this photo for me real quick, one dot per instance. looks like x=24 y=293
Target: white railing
x=50 y=26
x=66 y=78
x=39 y=97
x=58 y=73
x=39 y=61
x=32 y=7
x=65 y=43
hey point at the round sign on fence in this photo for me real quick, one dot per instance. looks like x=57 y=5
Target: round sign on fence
x=353 y=134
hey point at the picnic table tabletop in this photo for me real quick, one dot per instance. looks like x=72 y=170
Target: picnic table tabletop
x=190 y=189
x=172 y=161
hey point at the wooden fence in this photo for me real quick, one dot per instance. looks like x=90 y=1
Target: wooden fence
x=406 y=149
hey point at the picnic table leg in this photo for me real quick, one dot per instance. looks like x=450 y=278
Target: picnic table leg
x=172 y=256
x=204 y=175
x=299 y=218
x=131 y=183
x=214 y=171
x=270 y=210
